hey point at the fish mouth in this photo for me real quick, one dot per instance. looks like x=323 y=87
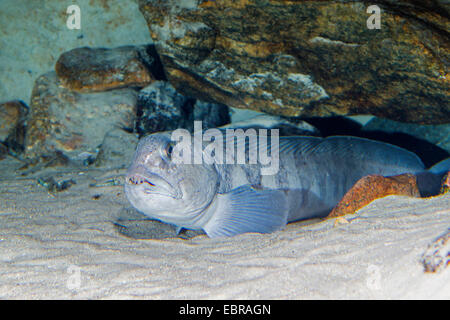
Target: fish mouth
x=151 y=183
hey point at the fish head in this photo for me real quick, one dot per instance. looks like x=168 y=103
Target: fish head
x=167 y=190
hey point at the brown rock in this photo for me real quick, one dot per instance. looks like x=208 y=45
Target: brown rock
x=12 y=125
x=374 y=187
x=73 y=123
x=12 y=113
x=308 y=58
x=99 y=69
x=445 y=184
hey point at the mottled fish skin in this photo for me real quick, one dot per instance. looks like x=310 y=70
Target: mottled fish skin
x=229 y=199
x=163 y=190
x=317 y=172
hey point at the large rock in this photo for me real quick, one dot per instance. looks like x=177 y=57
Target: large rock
x=162 y=108
x=12 y=124
x=99 y=69
x=73 y=123
x=308 y=58
x=117 y=149
x=10 y=114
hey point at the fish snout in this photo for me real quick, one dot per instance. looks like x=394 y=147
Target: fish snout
x=138 y=175
x=150 y=183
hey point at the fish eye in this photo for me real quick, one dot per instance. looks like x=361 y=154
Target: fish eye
x=169 y=150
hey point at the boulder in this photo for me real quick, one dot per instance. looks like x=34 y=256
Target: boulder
x=117 y=149
x=11 y=113
x=162 y=108
x=98 y=69
x=74 y=123
x=308 y=58
x=12 y=124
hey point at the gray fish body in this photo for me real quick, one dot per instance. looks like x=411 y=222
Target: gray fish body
x=317 y=172
x=229 y=199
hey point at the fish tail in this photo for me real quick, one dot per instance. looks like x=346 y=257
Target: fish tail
x=429 y=181
x=440 y=167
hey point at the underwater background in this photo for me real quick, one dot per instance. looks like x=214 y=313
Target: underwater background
x=82 y=81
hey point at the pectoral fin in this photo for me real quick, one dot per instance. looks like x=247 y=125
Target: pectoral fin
x=245 y=209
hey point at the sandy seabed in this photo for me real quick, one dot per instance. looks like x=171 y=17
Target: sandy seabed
x=67 y=245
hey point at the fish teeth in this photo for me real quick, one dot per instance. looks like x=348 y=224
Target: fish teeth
x=139 y=180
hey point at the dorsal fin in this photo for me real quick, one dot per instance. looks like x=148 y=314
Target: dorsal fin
x=299 y=144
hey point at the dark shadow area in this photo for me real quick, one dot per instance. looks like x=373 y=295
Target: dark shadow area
x=156 y=66
x=429 y=184
x=335 y=126
x=135 y=225
x=428 y=152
